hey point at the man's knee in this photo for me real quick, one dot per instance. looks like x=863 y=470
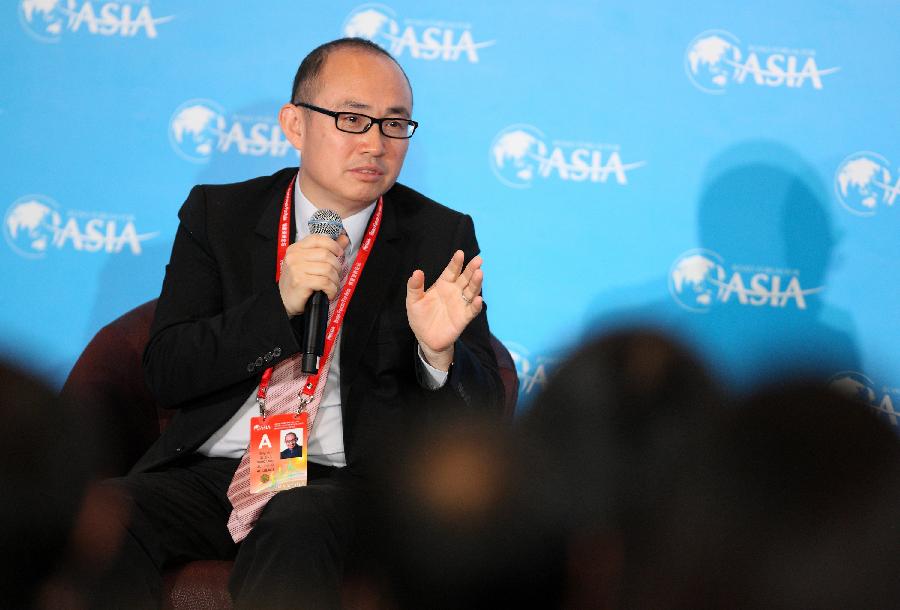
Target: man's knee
x=306 y=516
x=296 y=550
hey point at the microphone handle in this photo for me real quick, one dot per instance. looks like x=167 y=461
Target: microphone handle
x=315 y=323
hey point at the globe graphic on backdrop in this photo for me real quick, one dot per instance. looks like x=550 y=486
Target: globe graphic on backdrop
x=854 y=385
x=43 y=18
x=709 y=60
x=696 y=279
x=372 y=22
x=860 y=182
x=196 y=128
x=30 y=226
x=517 y=154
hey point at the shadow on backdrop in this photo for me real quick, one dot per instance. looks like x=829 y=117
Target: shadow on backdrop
x=752 y=296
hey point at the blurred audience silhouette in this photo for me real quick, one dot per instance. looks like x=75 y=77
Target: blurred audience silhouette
x=790 y=500
x=459 y=525
x=634 y=481
x=609 y=426
x=44 y=473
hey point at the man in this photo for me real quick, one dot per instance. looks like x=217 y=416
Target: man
x=403 y=352
x=291 y=449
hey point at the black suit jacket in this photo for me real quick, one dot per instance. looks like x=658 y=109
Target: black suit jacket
x=220 y=321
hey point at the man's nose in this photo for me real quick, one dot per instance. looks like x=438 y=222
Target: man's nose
x=373 y=140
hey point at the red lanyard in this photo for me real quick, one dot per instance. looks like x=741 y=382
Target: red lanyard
x=337 y=316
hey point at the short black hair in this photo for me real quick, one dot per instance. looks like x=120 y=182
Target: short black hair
x=306 y=79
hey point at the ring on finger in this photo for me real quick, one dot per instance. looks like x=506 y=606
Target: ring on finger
x=465 y=298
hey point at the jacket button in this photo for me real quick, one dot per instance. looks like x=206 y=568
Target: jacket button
x=276 y=352
x=178 y=449
x=250 y=368
x=267 y=357
x=259 y=362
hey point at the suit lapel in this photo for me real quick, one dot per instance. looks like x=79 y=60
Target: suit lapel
x=368 y=300
x=264 y=250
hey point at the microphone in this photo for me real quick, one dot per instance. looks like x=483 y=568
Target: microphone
x=315 y=315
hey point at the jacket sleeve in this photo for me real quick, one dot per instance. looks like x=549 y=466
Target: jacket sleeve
x=204 y=339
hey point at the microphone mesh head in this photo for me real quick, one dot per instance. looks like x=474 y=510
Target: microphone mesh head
x=325 y=222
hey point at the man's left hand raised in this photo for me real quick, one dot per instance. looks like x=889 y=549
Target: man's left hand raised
x=439 y=315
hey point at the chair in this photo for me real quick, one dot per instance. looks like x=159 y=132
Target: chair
x=108 y=381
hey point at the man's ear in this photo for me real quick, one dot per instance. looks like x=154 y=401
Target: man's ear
x=292 y=125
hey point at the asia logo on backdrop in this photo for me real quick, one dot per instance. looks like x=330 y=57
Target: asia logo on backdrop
x=520 y=154
x=863 y=183
x=429 y=39
x=49 y=20
x=35 y=225
x=700 y=280
x=716 y=59
x=532 y=370
x=201 y=127
x=860 y=387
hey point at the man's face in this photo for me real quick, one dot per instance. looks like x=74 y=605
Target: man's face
x=290 y=440
x=346 y=171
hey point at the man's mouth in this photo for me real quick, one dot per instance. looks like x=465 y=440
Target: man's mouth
x=368 y=170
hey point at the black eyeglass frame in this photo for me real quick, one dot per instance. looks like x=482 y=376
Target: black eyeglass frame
x=372 y=120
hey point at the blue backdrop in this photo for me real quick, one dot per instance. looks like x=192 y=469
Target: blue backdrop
x=726 y=172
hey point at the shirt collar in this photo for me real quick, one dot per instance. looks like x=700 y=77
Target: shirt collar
x=354 y=225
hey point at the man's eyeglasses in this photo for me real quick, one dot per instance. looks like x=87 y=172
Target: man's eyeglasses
x=354 y=122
